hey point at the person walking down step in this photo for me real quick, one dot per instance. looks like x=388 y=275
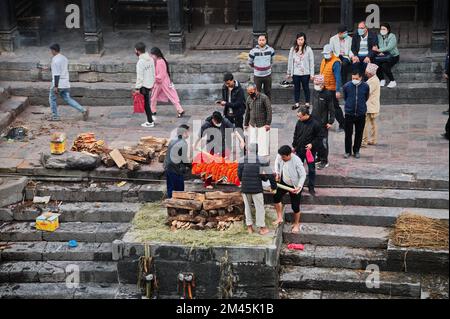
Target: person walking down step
x=145 y=79
x=301 y=69
x=163 y=90
x=61 y=85
x=251 y=173
x=306 y=139
x=177 y=162
x=323 y=113
x=356 y=94
x=387 y=55
x=330 y=68
x=290 y=174
x=261 y=59
x=373 y=106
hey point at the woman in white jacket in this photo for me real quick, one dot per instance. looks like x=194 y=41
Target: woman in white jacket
x=301 y=69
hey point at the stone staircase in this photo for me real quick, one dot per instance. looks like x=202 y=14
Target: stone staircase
x=37 y=264
x=10 y=107
x=345 y=234
x=104 y=83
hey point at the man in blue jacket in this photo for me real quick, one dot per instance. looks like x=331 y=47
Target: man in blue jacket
x=356 y=94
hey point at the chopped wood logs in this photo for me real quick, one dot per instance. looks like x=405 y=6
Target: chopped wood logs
x=214 y=210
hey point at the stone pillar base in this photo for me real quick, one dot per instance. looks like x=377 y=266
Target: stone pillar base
x=177 y=43
x=439 y=42
x=9 y=40
x=93 y=43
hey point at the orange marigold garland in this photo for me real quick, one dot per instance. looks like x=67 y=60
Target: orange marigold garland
x=216 y=167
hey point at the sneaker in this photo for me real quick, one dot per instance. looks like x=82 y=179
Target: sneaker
x=322 y=165
x=392 y=85
x=54 y=119
x=85 y=115
x=383 y=83
x=285 y=84
x=148 y=125
x=296 y=106
x=347 y=155
x=357 y=155
x=154 y=113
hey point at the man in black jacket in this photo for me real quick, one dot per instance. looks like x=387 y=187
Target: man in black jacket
x=306 y=137
x=251 y=173
x=177 y=162
x=324 y=113
x=233 y=101
x=362 y=47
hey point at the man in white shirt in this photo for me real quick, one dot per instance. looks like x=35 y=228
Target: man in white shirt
x=341 y=44
x=61 y=84
x=145 y=80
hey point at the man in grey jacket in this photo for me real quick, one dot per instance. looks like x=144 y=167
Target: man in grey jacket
x=290 y=174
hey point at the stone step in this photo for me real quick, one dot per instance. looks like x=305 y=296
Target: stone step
x=59 y=251
x=58 y=271
x=11 y=191
x=59 y=291
x=359 y=215
x=338 y=235
x=307 y=294
x=334 y=257
x=82 y=232
x=84 y=212
x=332 y=279
x=376 y=197
x=118 y=94
x=10 y=109
x=4 y=94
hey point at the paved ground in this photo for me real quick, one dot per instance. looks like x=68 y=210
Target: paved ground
x=410 y=145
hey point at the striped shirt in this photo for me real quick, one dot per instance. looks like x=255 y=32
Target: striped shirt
x=364 y=47
x=259 y=111
x=260 y=59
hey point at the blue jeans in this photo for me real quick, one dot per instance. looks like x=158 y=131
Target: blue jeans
x=299 y=82
x=175 y=182
x=65 y=95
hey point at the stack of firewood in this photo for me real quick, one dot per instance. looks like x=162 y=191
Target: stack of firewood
x=213 y=210
x=130 y=157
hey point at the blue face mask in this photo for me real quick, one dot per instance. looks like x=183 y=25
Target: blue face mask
x=361 y=31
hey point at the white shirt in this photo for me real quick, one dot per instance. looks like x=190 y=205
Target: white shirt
x=145 y=72
x=60 y=67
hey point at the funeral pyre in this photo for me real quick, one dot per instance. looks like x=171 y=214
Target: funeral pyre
x=212 y=210
x=131 y=157
x=217 y=168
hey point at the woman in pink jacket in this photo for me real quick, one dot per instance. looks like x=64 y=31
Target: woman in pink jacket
x=163 y=90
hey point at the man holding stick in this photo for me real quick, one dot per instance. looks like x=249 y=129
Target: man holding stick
x=290 y=175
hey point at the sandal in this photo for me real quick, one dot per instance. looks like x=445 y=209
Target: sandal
x=180 y=115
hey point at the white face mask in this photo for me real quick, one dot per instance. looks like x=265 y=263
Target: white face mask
x=327 y=56
x=317 y=87
x=383 y=32
x=356 y=82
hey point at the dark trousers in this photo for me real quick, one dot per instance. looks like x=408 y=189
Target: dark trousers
x=175 y=183
x=264 y=85
x=338 y=111
x=299 y=82
x=324 y=147
x=361 y=65
x=311 y=170
x=359 y=123
x=386 y=68
x=345 y=69
x=146 y=93
x=238 y=121
x=295 y=198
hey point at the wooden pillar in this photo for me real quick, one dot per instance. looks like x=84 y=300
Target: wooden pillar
x=259 y=18
x=9 y=35
x=177 y=39
x=93 y=34
x=440 y=26
x=347 y=14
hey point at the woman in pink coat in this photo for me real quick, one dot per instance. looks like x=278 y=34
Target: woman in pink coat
x=163 y=89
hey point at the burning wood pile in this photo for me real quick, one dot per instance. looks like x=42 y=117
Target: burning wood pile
x=131 y=157
x=213 y=210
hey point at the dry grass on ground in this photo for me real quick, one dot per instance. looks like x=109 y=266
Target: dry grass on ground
x=417 y=231
x=149 y=226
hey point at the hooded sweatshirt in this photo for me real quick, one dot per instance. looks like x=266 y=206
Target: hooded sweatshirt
x=145 y=72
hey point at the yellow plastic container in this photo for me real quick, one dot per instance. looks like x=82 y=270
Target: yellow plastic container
x=58 y=143
x=47 y=222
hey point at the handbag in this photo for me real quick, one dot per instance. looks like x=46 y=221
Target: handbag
x=309 y=157
x=138 y=103
x=383 y=58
